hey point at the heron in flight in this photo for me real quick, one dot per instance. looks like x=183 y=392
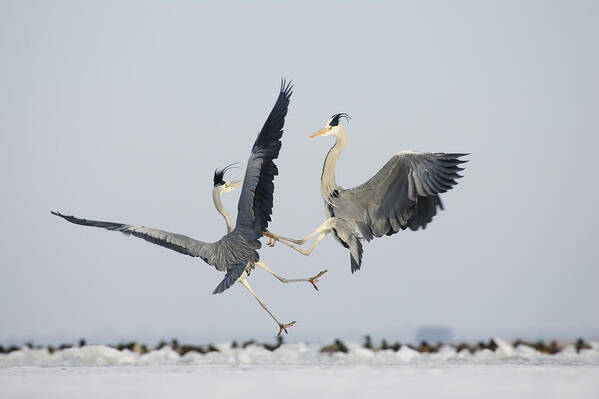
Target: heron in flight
x=403 y=194
x=236 y=252
x=222 y=186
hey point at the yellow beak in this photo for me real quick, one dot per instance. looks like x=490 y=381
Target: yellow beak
x=320 y=132
x=235 y=183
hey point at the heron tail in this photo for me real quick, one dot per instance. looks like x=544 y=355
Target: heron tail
x=355 y=253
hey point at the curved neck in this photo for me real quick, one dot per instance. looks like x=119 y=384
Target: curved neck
x=219 y=207
x=327 y=180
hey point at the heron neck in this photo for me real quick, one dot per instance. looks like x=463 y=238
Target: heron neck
x=218 y=204
x=327 y=180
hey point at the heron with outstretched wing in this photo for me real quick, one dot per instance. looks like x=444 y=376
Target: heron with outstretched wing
x=236 y=252
x=222 y=186
x=403 y=194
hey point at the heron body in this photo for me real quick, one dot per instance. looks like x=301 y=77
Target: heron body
x=403 y=194
x=222 y=186
x=236 y=252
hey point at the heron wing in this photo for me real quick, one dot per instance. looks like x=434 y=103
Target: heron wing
x=177 y=242
x=404 y=193
x=256 y=198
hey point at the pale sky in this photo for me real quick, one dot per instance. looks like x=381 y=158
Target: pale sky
x=121 y=111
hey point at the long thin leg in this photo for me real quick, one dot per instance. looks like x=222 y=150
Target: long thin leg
x=325 y=227
x=309 y=250
x=282 y=327
x=312 y=280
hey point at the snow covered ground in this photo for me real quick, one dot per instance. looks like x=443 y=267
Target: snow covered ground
x=297 y=370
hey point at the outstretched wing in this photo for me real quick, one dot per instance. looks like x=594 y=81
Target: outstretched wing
x=176 y=242
x=404 y=193
x=256 y=198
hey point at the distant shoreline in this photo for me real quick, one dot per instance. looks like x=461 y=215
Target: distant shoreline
x=547 y=347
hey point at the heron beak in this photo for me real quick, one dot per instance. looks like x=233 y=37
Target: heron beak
x=235 y=183
x=321 y=132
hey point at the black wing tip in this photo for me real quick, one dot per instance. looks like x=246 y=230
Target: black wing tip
x=286 y=87
x=452 y=160
x=217 y=290
x=456 y=156
x=68 y=218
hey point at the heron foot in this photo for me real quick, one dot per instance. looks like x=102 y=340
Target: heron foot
x=314 y=279
x=272 y=239
x=284 y=327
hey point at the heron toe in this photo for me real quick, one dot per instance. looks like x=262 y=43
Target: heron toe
x=284 y=327
x=314 y=279
x=272 y=239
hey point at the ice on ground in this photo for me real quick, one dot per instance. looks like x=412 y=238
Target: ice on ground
x=295 y=354
x=300 y=370
x=347 y=381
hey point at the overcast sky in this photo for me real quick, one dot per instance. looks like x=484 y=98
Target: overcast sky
x=121 y=111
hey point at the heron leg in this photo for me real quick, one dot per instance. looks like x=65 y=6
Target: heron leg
x=282 y=327
x=312 y=280
x=308 y=251
x=273 y=238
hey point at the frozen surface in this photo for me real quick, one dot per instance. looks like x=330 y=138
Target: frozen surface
x=275 y=381
x=297 y=370
x=295 y=354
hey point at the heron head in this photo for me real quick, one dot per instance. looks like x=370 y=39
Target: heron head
x=333 y=126
x=224 y=186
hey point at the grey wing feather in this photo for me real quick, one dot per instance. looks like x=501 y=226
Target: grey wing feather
x=176 y=242
x=404 y=193
x=234 y=250
x=256 y=198
x=233 y=273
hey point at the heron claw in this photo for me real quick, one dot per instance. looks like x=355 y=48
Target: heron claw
x=272 y=239
x=283 y=327
x=314 y=279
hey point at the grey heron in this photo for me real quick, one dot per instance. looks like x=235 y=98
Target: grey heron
x=236 y=252
x=222 y=186
x=403 y=194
